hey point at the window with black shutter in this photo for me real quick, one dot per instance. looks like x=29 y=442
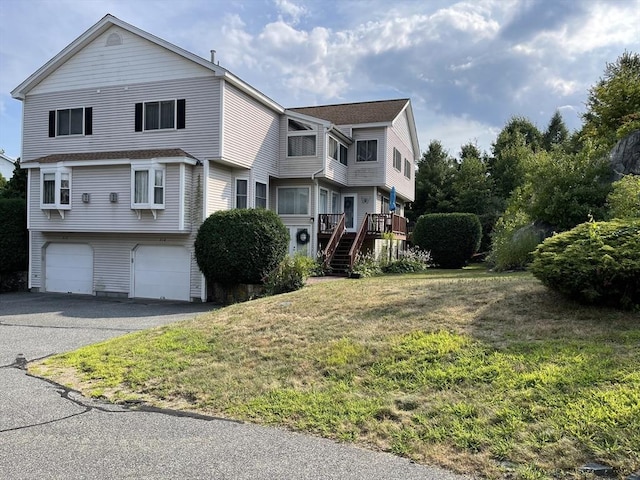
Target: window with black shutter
x=160 y=115
x=71 y=121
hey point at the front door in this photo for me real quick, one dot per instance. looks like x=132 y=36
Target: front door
x=350 y=214
x=300 y=239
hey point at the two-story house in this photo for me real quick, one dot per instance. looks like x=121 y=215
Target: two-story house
x=131 y=142
x=7 y=164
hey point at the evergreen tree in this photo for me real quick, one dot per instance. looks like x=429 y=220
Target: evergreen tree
x=556 y=132
x=518 y=140
x=434 y=177
x=16 y=187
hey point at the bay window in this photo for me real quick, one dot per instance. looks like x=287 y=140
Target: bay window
x=55 y=189
x=147 y=187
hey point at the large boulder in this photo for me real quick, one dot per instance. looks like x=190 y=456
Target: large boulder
x=625 y=156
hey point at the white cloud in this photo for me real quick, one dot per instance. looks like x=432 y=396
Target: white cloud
x=290 y=9
x=455 y=131
x=562 y=86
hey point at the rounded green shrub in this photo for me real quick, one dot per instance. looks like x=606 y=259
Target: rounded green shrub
x=241 y=246
x=595 y=263
x=451 y=238
x=14 y=239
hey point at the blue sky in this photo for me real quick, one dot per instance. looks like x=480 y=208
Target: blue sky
x=468 y=66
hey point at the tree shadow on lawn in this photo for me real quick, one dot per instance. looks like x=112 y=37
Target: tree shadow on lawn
x=499 y=310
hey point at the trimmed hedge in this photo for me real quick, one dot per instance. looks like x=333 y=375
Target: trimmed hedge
x=595 y=263
x=451 y=238
x=241 y=246
x=14 y=239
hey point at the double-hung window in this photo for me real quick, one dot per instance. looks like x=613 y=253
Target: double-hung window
x=261 y=195
x=241 y=193
x=397 y=159
x=55 y=189
x=71 y=121
x=367 y=151
x=343 y=154
x=301 y=139
x=407 y=169
x=160 y=115
x=147 y=186
x=293 y=201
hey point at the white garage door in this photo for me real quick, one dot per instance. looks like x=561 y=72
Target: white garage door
x=69 y=268
x=161 y=272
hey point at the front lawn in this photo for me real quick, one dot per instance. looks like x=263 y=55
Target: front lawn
x=478 y=372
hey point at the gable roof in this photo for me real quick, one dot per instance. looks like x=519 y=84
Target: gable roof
x=102 y=26
x=381 y=111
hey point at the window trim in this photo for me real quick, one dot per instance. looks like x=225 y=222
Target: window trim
x=340 y=150
x=358 y=158
x=397 y=158
x=54 y=122
x=57 y=204
x=327 y=198
x=246 y=195
x=151 y=168
x=344 y=154
x=179 y=115
x=310 y=132
x=308 y=209
x=266 y=195
x=315 y=145
x=407 y=169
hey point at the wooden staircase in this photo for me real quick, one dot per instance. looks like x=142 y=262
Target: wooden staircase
x=341 y=261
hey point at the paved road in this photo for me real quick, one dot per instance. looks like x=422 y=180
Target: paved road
x=49 y=432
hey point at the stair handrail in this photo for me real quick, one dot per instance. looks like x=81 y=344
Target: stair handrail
x=357 y=242
x=333 y=242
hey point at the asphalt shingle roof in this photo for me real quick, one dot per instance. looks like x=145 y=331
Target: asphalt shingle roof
x=355 y=113
x=116 y=155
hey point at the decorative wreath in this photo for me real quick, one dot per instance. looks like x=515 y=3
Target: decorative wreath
x=303 y=237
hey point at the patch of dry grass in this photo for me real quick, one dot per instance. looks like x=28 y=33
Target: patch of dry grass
x=471 y=370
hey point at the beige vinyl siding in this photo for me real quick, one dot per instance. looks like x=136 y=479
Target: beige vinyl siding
x=251 y=132
x=405 y=187
x=35 y=262
x=100 y=214
x=336 y=171
x=111 y=257
x=295 y=167
x=114 y=117
x=367 y=173
x=219 y=188
x=136 y=60
x=401 y=128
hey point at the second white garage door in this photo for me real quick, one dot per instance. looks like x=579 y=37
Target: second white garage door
x=161 y=272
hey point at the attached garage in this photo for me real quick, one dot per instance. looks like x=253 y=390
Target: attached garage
x=69 y=268
x=161 y=271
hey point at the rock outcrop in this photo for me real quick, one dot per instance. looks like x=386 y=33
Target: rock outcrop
x=625 y=156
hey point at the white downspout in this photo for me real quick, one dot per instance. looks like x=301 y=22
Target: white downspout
x=314 y=226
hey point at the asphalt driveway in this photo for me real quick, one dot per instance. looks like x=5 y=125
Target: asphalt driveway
x=47 y=431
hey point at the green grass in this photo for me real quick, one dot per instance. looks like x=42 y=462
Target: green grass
x=474 y=371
